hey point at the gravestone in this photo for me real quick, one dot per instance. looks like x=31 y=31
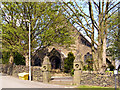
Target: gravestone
x=46 y=70
x=77 y=70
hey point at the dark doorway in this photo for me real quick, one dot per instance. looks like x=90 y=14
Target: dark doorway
x=55 y=62
x=37 y=62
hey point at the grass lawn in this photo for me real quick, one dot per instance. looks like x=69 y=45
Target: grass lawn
x=85 y=87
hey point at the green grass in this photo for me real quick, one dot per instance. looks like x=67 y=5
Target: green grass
x=109 y=71
x=85 y=87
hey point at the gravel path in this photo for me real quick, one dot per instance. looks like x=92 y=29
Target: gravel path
x=12 y=82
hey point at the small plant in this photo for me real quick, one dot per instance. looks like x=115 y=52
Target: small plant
x=85 y=68
x=72 y=72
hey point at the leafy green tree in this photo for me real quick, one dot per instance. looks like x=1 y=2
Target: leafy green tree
x=68 y=62
x=47 y=25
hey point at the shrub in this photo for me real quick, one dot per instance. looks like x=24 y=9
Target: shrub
x=68 y=62
x=111 y=67
x=89 y=65
x=18 y=58
x=5 y=57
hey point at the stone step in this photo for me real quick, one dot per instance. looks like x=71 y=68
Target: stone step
x=61 y=77
x=66 y=80
x=60 y=74
x=61 y=82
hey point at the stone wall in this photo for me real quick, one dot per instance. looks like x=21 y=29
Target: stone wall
x=87 y=77
x=7 y=69
x=98 y=79
x=37 y=74
x=19 y=69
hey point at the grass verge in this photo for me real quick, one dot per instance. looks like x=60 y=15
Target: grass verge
x=85 y=87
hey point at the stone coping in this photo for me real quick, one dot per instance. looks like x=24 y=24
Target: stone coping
x=61 y=77
x=97 y=72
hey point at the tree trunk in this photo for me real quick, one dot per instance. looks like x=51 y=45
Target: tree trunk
x=104 y=51
x=94 y=59
x=103 y=54
x=99 y=42
x=26 y=60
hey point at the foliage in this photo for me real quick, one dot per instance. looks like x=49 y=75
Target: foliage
x=18 y=58
x=113 y=38
x=68 y=63
x=89 y=65
x=5 y=57
x=109 y=71
x=47 y=25
x=111 y=67
x=84 y=68
x=72 y=72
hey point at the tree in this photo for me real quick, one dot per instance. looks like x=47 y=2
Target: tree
x=96 y=20
x=68 y=62
x=47 y=25
x=113 y=38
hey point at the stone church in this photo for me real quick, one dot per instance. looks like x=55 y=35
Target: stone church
x=57 y=54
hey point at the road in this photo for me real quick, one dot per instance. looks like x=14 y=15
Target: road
x=12 y=82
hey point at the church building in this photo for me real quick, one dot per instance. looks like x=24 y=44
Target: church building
x=57 y=53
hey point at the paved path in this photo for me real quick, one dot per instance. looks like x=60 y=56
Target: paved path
x=12 y=82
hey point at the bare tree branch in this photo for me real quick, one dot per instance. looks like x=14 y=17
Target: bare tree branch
x=113 y=7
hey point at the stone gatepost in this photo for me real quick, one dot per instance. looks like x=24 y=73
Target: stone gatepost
x=46 y=70
x=77 y=70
